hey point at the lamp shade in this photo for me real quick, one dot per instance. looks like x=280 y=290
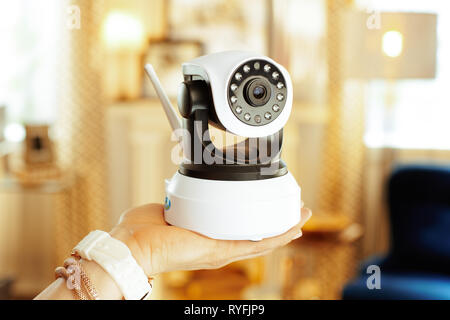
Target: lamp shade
x=400 y=45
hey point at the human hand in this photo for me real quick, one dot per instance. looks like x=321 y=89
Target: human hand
x=159 y=247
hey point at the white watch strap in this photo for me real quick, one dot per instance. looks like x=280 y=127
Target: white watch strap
x=116 y=259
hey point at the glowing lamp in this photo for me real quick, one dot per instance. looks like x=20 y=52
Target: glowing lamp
x=123 y=31
x=392 y=44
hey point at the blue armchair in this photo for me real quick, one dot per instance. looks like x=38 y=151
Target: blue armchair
x=418 y=264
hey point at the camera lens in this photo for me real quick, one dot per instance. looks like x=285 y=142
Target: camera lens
x=257 y=92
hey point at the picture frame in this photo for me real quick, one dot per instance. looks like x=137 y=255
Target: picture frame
x=167 y=56
x=38 y=146
x=222 y=24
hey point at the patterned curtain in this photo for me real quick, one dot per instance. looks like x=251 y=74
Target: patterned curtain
x=340 y=191
x=81 y=142
x=343 y=153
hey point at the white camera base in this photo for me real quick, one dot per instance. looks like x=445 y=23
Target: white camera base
x=233 y=210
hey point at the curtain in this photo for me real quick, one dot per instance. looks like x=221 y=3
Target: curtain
x=81 y=142
x=340 y=191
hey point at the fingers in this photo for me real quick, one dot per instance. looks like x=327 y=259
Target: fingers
x=287 y=237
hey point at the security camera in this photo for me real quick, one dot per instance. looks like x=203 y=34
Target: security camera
x=250 y=95
x=244 y=191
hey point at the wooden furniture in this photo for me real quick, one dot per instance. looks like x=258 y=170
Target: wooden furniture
x=320 y=263
x=29 y=218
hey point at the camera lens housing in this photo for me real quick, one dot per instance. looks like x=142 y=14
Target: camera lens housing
x=257 y=92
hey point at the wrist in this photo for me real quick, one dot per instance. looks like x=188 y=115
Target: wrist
x=127 y=237
x=116 y=258
x=105 y=285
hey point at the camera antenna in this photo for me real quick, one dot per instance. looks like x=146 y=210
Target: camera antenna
x=172 y=116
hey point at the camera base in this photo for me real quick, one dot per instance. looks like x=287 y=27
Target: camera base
x=233 y=210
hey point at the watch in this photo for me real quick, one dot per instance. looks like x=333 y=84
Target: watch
x=116 y=259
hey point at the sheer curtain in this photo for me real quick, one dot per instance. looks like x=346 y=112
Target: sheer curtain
x=29 y=35
x=81 y=125
x=50 y=72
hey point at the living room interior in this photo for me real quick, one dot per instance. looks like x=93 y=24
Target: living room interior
x=83 y=137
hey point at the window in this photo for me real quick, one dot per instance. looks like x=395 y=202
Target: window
x=29 y=59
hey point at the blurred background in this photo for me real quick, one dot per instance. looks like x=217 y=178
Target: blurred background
x=83 y=138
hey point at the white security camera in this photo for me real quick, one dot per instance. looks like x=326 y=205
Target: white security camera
x=243 y=192
x=251 y=94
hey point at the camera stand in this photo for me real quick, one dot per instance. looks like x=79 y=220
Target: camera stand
x=233 y=210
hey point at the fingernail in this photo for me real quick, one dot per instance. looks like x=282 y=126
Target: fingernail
x=302 y=204
x=298 y=235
